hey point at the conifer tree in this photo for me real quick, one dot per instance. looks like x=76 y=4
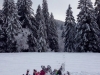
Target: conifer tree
x=97 y=9
x=11 y=25
x=42 y=36
x=69 y=32
x=26 y=15
x=28 y=21
x=53 y=37
x=46 y=18
x=87 y=28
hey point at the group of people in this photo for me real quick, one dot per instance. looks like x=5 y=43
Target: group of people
x=47 y=71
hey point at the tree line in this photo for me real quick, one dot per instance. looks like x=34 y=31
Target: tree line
x=42 y=27
x=82 y=36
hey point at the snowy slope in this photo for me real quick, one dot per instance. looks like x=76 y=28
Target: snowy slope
x=76 y=63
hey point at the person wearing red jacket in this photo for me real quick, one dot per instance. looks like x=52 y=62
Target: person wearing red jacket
x=42 y=72
x=35 y=72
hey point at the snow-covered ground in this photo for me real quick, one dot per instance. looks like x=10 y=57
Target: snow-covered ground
x=75 y=63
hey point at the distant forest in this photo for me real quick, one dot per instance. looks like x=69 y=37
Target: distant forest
x=23 y=31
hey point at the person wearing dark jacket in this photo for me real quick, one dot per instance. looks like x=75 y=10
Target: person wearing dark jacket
x=34 y=72
x=27 y=73
x=68 y=73
x=59 y=71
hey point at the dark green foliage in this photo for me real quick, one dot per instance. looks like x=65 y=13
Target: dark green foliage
x=97 y=11
x=46 y=18
x=3 y=41
x=42 y=36
x=32 y=44
x=70 y=31
x=53 y=37
x=11 y=46
x=87 y=28
x=28 y=21
x=11 y=24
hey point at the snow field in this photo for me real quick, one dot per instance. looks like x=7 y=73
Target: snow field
x=75 y=63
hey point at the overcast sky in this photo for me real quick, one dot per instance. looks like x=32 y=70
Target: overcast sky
x=57 y=7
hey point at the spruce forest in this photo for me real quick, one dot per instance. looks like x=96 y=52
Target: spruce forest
x=23 y=31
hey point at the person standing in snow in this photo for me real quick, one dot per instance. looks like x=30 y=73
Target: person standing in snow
x=62 y=69
x=59 y=71
x=34 y=72
x=49 y=69
x=27 y=73
x=37 y=73
x=42 y=72
x=47 y=72
x=54 y=72
x=68 y=73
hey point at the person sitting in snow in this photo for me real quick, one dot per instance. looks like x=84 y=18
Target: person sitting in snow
x=27 y=73
x=42 y=72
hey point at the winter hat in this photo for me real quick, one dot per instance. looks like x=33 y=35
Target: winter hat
x=28 y=70
x=35 y=70
x=43 y=67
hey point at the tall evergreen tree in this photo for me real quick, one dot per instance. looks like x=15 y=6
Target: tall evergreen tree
x=97 y=9
x=53 y=37
x=26 y=15
x=69 y=32
x=12 y=25
x=3 y=36
x=42 y=36
x=87 y=28
x=28 y=21
x=46 y=18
